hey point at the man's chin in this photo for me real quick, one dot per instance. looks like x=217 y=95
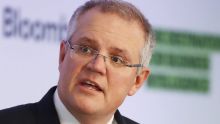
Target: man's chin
x=87 y=105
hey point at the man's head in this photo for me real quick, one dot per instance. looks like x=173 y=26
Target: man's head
x=105 y=39
x=126 y=11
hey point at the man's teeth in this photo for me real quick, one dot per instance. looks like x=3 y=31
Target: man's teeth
x=92 y=85
x=89 y=83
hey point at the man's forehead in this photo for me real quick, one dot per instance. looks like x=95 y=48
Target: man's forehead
x=130 y=16
x=96 y=20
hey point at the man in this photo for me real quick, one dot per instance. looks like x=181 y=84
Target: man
x=103 y=60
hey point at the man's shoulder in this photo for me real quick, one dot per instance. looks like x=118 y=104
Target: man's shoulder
x=26 y=108
x=42 y=112
x=18 y=114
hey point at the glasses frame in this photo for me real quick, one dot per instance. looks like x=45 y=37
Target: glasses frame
x=96 y=53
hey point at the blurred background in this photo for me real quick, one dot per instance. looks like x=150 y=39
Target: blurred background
x=184 y=84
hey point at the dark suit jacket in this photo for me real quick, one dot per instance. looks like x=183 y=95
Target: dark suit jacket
x=42 y=112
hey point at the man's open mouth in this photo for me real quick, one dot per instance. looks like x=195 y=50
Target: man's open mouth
x=91 y=85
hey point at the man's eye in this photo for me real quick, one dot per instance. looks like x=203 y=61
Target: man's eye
x=117 y=60
x=85 y=49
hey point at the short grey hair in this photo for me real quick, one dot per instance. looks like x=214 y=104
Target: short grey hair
x=126 y=11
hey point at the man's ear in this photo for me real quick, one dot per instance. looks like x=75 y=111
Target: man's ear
x=62 y=53
x=139 y=81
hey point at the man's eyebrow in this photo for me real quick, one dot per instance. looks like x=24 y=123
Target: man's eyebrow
x=86 y=40
x=123 y=52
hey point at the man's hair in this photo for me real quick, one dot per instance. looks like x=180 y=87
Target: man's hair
x=124 y=10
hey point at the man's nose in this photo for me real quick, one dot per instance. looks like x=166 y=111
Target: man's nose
x=98 y=64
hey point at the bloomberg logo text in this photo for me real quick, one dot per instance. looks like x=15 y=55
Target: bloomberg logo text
x=16 y=26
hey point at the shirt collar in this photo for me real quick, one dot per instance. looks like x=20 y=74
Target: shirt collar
x=65 y=116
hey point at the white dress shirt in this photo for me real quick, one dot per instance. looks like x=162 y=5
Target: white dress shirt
x=65 y=116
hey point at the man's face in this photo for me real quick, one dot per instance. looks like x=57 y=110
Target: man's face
x=96 y=87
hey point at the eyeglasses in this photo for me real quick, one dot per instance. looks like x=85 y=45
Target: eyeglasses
x=89 y=53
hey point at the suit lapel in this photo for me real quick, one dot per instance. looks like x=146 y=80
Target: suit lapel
x=123 y=120
x=118 y=117
x=46 y=109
